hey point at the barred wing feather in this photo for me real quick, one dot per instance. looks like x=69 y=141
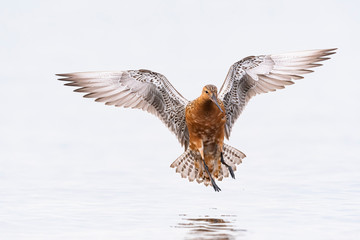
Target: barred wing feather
x=265 y=73
x=142 y=89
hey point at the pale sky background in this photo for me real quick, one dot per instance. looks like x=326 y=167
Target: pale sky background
x=192 y=43
x=44 y=126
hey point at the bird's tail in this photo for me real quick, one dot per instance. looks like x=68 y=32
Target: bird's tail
x=189 y=164
x=185 y=165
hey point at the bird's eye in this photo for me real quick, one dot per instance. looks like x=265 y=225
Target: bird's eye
x=206 y=91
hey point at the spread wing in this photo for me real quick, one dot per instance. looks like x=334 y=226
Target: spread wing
x=142 y=89
x=261 y=74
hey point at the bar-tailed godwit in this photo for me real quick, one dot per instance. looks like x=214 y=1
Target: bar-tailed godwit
x=202 y=124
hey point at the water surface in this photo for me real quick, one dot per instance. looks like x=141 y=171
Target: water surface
x=79 y=193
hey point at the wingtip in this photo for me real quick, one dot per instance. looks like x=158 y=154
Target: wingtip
x=63 y=79
x=63 y=76
x=322 y=59
x=331 y=49
x=328 y=52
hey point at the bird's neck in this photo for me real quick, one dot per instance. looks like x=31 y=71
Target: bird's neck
x=206 y=104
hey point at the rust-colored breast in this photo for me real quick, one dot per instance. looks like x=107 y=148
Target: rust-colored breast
x=205 y=120
x=206 y=125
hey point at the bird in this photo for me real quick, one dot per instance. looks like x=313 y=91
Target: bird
x=200 y=125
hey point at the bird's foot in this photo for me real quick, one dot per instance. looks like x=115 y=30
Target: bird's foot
x=230 y=168
x=215 y=186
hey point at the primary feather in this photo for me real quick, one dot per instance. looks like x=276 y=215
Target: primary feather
x=142 y=89
x=261 y=74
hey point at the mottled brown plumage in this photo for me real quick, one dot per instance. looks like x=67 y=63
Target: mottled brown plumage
x=206 y=126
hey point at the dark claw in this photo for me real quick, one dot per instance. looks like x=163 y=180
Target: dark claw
x=230 y=168
x=213 y=183
x=215 y=186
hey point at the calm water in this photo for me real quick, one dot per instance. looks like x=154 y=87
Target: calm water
x=73 y=192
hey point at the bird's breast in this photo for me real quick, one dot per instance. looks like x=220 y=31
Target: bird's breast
x=205 y=120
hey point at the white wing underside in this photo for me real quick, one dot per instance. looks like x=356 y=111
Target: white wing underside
x=141 y=89
x=265 y=73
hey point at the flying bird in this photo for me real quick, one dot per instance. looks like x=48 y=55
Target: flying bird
x=202 y=124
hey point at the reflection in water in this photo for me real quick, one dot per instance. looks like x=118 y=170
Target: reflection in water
x=220 y=228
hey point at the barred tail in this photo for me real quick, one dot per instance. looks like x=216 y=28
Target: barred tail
x=232 y=157
x=185 y=164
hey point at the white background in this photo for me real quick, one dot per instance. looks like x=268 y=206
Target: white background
x=52 y=138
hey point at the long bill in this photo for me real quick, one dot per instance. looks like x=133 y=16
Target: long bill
x=214 y=99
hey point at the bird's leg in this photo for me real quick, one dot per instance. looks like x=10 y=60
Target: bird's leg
x=201 y=150
x=216 y=187
x=230 y=168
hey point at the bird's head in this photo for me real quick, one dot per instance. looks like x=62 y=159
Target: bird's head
x=209 y=92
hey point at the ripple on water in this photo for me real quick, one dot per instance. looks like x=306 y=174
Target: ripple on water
x=205 y=227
